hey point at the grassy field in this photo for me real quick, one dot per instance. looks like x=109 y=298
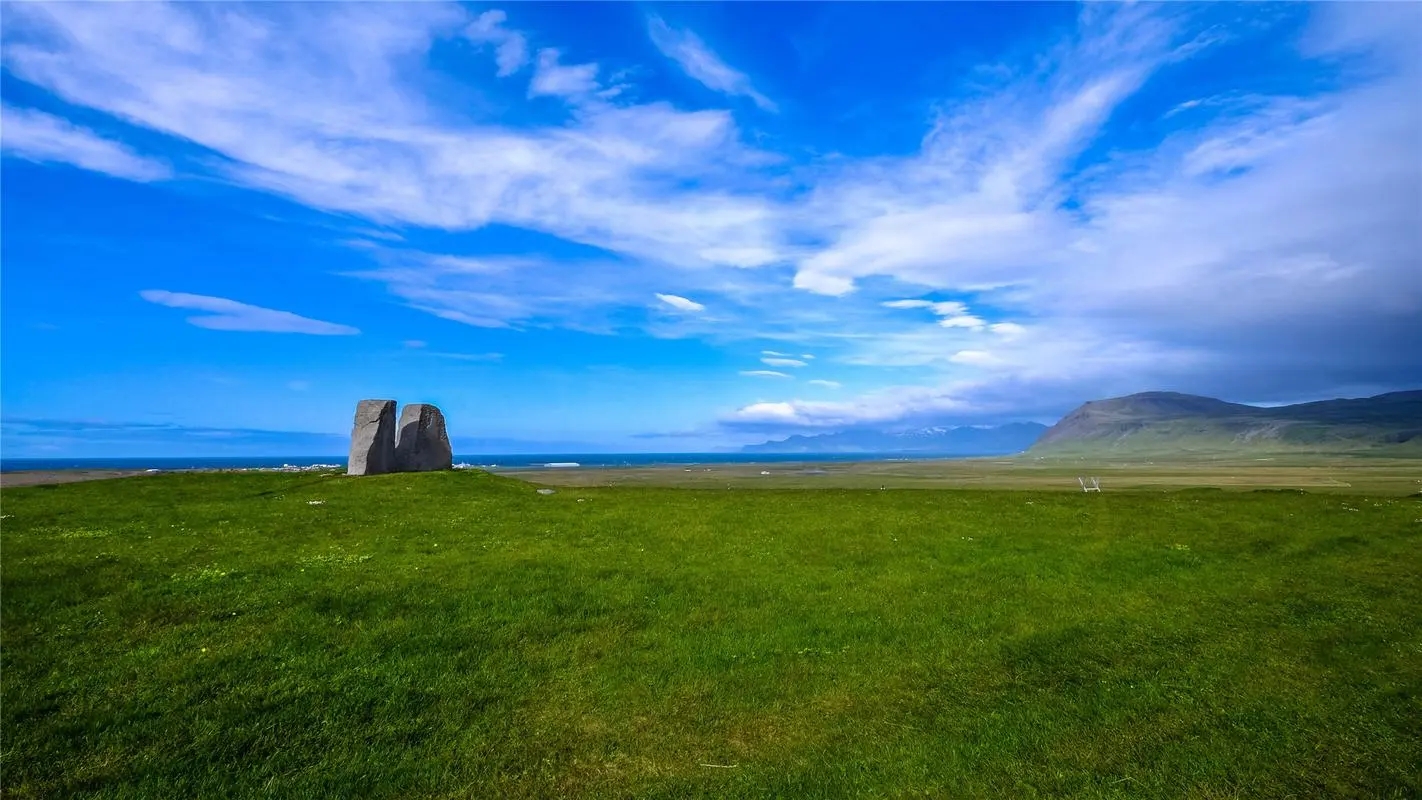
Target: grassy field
x=459 y=635
x=1343 y=474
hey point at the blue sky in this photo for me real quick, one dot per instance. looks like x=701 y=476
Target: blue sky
x=689 y=226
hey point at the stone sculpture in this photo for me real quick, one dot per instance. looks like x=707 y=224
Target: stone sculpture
x=422 y=444
x=373 y=438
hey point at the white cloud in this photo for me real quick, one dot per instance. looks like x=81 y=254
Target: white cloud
x=230 y=315
x=320 y=103
x=768 y=412
x=553 y=79
x=943 y=308
x=774 y=354
x=599 y=296
x=824 y=383
x=954 y=313
x=703 y=65
x=763 y=373
x=972 y=357
x=962 y=321
x=680 y=303
x=37 y=136
x=888 y=406
x=783 y=362
x=511 y=52
x=807 y=357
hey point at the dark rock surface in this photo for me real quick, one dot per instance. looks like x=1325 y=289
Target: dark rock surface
x=422 y=444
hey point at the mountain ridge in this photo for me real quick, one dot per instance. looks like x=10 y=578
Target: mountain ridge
x=1171 y=422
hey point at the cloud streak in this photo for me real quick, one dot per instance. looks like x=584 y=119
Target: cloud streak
x=37 y=136
x=230 y=315
x=636 y=179
x=702 y=64
x=681 y=303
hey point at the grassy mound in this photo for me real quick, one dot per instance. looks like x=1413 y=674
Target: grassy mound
x=459 y=635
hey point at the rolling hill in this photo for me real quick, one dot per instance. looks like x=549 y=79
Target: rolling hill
x=1164 y=423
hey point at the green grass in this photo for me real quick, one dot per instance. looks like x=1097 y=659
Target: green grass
x=458 y=635
x=1354 y=474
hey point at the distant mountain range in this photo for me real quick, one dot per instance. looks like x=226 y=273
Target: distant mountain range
x=955 y=441
x=1165 y=423
x=1157 y=424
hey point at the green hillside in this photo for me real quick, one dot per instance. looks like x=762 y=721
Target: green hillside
x=1166 y=423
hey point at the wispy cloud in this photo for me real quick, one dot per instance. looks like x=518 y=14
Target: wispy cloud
x=963 y=321
x=230 y=315
x=642 y=180
x=944 y=308
x=763 y=373
x=824 y=383
x=37 y=136
x=699 y=62
x=783 y=362
x=511 y=52
x=681 y=303
x=953 y=313
x=557 y=80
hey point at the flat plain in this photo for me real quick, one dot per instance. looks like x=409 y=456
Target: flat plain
x=460 y=635
x=1332 y=473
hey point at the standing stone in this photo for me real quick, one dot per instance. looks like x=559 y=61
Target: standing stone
x=422 y=445
x=373 y=438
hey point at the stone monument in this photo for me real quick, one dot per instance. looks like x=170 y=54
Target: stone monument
x=422 y=444
x=373 y=438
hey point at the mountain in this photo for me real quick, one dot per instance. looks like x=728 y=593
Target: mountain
x=1170 y=423
x=961 y=441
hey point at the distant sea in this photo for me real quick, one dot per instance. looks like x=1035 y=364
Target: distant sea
x=537 y=461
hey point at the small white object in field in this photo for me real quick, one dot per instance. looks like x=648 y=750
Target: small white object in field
x=545 y=491
x=580 y=499
x=315 y=502
x=765 y=472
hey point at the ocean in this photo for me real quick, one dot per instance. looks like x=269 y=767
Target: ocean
x=535 y=461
